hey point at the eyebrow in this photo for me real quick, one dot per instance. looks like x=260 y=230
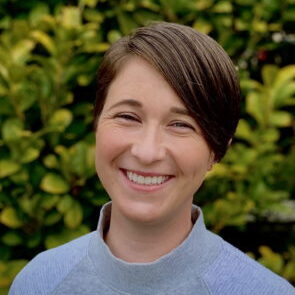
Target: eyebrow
x=180 y=111
x=135 y=103
x=128 y=102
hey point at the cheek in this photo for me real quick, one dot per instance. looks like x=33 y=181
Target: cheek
x=103 y=150
x=194 y=160
x=109 y=146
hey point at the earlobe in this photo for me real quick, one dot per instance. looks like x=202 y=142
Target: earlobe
x=211 y=161
x=210 y=166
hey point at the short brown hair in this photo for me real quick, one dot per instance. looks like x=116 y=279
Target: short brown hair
x=194 y=65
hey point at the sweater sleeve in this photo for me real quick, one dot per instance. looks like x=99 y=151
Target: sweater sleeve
x=48 y=269
x=235 y=273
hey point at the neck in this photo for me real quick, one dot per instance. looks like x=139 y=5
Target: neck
x=142 y=243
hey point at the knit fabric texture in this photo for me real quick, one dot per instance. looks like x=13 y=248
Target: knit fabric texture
x=203 y=264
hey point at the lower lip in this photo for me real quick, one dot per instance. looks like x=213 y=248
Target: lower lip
x=142 y=187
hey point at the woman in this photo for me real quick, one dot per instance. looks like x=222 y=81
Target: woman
x=166 y=110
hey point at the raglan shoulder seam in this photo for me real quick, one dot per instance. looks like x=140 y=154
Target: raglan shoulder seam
x=202 y=276
x=265 y=274
x=71 y=270
x=48 y=269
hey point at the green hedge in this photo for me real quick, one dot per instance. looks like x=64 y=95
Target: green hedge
x=49 y=54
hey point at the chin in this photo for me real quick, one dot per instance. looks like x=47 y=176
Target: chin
x=140 y=212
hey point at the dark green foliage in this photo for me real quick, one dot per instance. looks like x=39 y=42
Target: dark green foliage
x=49 y=54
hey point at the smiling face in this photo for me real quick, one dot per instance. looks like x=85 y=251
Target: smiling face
x=150 y=154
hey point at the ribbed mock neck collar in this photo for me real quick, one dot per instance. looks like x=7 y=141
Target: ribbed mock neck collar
x=191 y=257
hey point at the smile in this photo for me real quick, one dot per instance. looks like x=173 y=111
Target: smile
x=146 y=180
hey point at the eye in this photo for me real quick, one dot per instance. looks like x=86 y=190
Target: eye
x=127 y=117
x=182 y=125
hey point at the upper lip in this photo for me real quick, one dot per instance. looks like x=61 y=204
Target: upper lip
x=143 y=173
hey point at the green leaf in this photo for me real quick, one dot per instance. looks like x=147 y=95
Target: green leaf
x=52 y=218
x=218 y=170
x=20 y=177
x=54 y=184
x=12 y=129
x=244 y=131
x=281 y=119
x=222 y=7
x=96 y=47
x=27 y=95
x=78 y=156
x=28 y=205
x=284 y=75
x=203 y=4
x=11 y=238
x=289 y=271
x=269 y=74
x=6 y=107
x=249 y=156
x=145 y=17
x=45 y=40
x=8 y=271
x=3 y=91
x=30 y=154
x=84 y=80
x=250 y=85
x=61 y=119
x=113 y=36
x=289 y=14
x=270 y=259
x=65 y=236
x=8 y=167
x=50 y=161
x=259 y=26
x=93 y=16
x=90 y=3
x=203 y=26
x=71 y=17
x=61 y=150
x=49 y=201
x=254 y=107
x=90 y=165
x=65 y=204
x=79 y=159
x=38 y=13
x=34 y=240
x=4 y=72
x=284 y=95
x=74 y=216
x=270 y=135
x=126 y=23
x=20 y=51
x=9 y=217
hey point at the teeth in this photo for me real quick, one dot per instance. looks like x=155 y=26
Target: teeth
x=149 y=180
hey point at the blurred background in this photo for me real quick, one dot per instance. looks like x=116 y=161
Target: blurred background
x=49 y=55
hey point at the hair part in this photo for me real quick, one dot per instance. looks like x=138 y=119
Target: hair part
x=195 y=66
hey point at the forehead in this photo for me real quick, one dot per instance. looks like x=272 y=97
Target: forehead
x=138 y=79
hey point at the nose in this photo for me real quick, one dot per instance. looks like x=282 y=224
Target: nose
x=148 y=147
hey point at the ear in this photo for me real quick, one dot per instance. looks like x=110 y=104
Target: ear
x=211 y=161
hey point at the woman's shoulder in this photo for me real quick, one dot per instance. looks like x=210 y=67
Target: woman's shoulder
x=43 y=273
x=234 y=272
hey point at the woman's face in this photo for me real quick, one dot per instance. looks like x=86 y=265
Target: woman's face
x=150 y=154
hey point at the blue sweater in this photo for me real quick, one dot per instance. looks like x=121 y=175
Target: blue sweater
x=204 y=264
